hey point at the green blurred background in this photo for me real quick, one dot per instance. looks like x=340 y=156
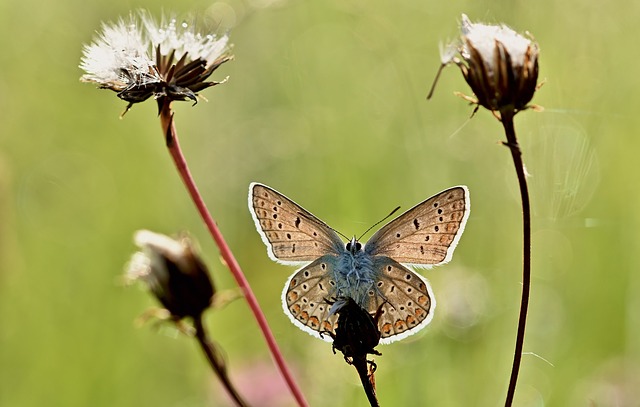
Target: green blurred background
x=326 y=103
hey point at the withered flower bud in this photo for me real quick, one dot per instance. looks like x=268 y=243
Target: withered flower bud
x=173 y=272
x=500 y=65
x=357 y=332
x=357 y=335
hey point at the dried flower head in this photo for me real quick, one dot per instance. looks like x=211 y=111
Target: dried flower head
x=357 y=332
x=139 y=57
x=500 y=65
x=357 y=335
x=173 y=272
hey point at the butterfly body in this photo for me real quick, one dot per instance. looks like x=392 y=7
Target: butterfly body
x=354 y=273
x=373 y=274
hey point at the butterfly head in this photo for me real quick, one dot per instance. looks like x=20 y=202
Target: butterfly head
x=353 y=246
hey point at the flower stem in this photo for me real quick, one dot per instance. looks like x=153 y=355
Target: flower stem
x=216 y=362
x=166 y=119
x=512 y=142
x=360 y=363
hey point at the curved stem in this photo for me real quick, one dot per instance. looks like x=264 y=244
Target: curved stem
x=217 y=364
x=166 y=119
x=516 y=154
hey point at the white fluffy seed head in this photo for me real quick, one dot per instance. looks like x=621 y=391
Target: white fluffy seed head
x=124 y=53
x=182 y=38
x=483 y=38
x=118 y=56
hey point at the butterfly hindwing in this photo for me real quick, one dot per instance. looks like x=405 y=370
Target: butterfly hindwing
x=306 y=298
x=426 y=234
x=407 y=297
x=292 y=234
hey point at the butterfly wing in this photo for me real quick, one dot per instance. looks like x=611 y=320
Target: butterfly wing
x=408 y=302
x=292 y=234
x=305 y=298
x=426 y=234
x=406 y=299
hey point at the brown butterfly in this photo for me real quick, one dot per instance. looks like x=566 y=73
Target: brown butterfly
x=371 y=274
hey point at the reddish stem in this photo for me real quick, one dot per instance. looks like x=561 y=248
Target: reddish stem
x=166 y=119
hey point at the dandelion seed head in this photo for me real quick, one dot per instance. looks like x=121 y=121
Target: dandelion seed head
x=182 y=39
x=118 y=57
x=141 y=58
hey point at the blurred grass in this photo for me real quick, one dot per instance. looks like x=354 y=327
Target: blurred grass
x=325 y=102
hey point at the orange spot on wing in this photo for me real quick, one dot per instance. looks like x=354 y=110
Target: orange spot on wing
x=400 y=325
x=326 y=325
x=314 y=323
x=295 y=309
x=292 y=296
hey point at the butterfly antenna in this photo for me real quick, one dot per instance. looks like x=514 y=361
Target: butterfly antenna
x=379 y=222
x=340 y=233
x=337 y=231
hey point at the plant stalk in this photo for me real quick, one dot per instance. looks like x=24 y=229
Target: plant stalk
x=507 y=116
x=217 y=364
x=361 y=365
x=171 y=135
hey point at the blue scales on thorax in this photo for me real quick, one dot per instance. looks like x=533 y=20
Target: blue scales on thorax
x=354 y=273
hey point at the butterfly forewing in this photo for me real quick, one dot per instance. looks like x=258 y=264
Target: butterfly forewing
x=408 y=301
x=291 y=233
x=426 y=234
x=305 y=298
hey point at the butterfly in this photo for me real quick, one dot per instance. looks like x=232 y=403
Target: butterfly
x=374 y=275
